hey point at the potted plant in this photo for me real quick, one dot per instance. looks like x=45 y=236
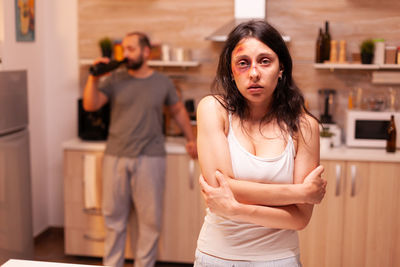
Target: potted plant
x=367 y=51
x=106 y=46
x=325 y=138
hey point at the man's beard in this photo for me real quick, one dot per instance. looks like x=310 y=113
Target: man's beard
x=135 y=64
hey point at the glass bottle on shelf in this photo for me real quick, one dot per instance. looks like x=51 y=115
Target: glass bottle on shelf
x=326 y=43
x=391 y=136
x=350 y=104
x=319 y=48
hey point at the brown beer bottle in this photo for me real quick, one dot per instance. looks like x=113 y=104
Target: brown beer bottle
x=101 y=68
x=391 y=136
x=319 y=48
x=326 y=43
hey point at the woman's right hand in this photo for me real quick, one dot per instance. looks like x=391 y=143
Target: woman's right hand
x=220 y=199
x=314 y=186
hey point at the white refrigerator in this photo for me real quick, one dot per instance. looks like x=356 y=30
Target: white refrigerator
x=16 y=237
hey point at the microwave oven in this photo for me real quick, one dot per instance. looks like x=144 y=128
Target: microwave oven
x=369 y=128
x=93 y=125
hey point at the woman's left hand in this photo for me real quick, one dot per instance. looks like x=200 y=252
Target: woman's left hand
x=220 y=200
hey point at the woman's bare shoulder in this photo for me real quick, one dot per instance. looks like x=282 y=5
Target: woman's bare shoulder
x=211 y=101
x=309 y=127
x=309 y=120
x=212 y=105
x=211 y=111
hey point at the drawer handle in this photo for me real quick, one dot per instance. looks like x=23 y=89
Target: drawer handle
x=191 y=174
x=353 y=180
x=338 y=176
x=92 y=238
x=2 y=179
x=92 y=211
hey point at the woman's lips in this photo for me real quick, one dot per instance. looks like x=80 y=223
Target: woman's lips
x=255 y=88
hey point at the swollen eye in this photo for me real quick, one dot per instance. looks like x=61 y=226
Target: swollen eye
x=242 y=64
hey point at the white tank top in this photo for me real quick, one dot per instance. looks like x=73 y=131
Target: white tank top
x=234 y=240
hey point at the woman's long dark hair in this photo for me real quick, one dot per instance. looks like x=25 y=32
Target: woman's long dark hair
x=287 y=105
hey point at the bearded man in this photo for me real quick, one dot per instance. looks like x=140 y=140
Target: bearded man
x=134 y=161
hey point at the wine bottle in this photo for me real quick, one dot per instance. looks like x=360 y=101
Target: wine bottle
x=326 y=43
x=102 y=68
x=391 y=136
x=319 y=48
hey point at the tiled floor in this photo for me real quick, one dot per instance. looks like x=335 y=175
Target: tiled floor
x=49 y=246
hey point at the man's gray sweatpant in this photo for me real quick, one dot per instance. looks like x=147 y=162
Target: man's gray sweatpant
x=139 y=181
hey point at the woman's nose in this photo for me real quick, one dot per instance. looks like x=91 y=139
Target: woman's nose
x=254 y=73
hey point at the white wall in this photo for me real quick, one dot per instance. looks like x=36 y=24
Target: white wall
x=1 y=28
x=62 y=89
x=52 y=64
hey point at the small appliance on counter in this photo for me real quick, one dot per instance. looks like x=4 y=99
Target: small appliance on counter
x=189 y=105
x=336 y=139
x=327 y=104
x=171 y=128
x=369 y=128
x=93 y=126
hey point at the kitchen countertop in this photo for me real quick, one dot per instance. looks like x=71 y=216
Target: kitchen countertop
x=176 y=145
x=360 y=154
x=173 y=145
x=28 y=263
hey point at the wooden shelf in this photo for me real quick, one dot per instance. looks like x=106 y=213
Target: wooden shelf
x=350 y=66
x=223 y=38
x=390 y=67
x=156 y=63
x=183 y=64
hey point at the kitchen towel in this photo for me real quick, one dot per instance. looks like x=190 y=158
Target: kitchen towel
x=91 y=197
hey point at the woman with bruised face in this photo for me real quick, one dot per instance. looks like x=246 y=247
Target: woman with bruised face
x=258 y=149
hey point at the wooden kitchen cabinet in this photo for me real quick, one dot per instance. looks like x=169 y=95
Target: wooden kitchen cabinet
x=320 y=243
x=355 y=213
x=184 y=210
x=383 y=220
x=355 y=225
x=84 y=229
